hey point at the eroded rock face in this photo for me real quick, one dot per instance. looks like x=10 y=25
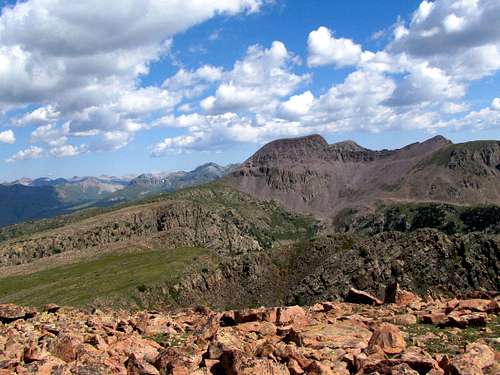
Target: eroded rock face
x=173 y=223
x=330 y=337
x=408 y=265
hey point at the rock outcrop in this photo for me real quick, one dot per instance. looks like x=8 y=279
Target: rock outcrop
x=218 y=218
x=386 y=266
x=331 y=337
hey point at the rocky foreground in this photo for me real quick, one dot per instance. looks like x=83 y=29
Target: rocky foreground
x=405 y=335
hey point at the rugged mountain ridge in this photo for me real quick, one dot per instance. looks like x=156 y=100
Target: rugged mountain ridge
x=325 y=268
x=215 y=217
x=310 y=176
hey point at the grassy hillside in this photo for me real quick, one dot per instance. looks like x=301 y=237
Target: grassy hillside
x=118 y=277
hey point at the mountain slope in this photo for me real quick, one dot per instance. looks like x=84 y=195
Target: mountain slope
x=213 y=216
x=21 y=203
x=27 y=199
x=310 y=176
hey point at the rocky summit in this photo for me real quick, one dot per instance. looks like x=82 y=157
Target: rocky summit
x=406 y=335
x=309 y=175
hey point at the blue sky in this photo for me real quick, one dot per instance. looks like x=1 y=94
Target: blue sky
x=169 y=85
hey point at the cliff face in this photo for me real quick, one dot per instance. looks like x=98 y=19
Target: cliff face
x=310 y=176
x=221 y=219
x=326 y=267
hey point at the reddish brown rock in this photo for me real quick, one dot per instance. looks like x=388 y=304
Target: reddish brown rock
x=208 y=328
x=175 y=361
x=370 y=358
x=10 y=312
x=403 y=369
x=272 y=341
x=420 y=360
x=403 y=319
x=358 y=296
x=291 y=352
x=262 y=328
x=294 y=367
x=451 y=305
x=464 y=320
x=33 y=353
x=291 y=315
x=480 y=305
x=394 y=294
x=236 y=362
x=64 y=347
x=389 y=338
x=318 y=368
x=476 y=355
x=137 y=366
x=142 y=348
x=337 y=335
x=258 y=314
x=51 y=308
x=434 y=318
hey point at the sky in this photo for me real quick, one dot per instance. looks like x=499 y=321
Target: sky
x=130 y=86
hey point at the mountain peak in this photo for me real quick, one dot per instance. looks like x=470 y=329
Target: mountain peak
x=292 y=149
x=309 y=141
x=348 y=145
x=439 y=139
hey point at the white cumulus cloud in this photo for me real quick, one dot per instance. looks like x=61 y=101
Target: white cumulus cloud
x=33 y=152
x=325 y=49
x=7 y=136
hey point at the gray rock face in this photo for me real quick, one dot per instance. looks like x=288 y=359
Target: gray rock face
x=326 y=268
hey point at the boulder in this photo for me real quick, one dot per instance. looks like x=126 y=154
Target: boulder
x=464 y=320
x=389 y=338
x=64 y=347
x=403 y=319
x=337 y=335
x=291 y=353
x=394 y=294
x=435 y=318
x=419 y=360
x=262 y=328
x=236 y=362
x=403 y=369
x=10 y=312
x=318 y=368
x=258 y=314
x=291 y=315
x=142 y=348
x=175 y=361
x=51 y=308
x=476 y=355
x=358 y=296
x=294 y=367
x=138 y=366
x=480 y=305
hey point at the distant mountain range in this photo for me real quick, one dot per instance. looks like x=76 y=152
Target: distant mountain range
x=306 y=175
x=32 y=199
